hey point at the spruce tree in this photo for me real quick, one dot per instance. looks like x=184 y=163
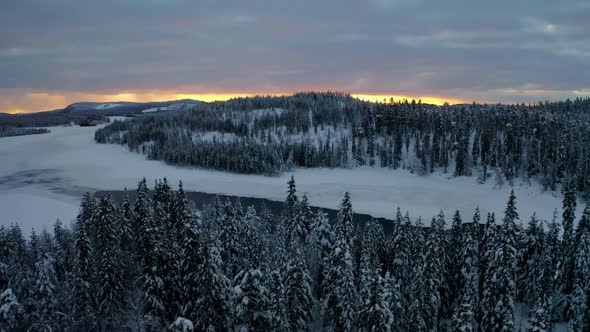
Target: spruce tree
x=340 y=300
x=465 y=315
x=252 y=303
x=298 y=295
x=323 y=239
x=111 y=293
x=579 y=310
x=143 y=214
x=189 y=259
x=500 y=289
x=83 y=297
x=154 y=271
x=568 y=239
x=375 y=314
x=211 y=307
x=455 y=260
x=539 y=318
x=277 y=302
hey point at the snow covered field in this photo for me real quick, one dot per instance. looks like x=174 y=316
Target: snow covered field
x=43 y=176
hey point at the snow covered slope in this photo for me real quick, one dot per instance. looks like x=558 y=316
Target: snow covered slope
x=42 y=176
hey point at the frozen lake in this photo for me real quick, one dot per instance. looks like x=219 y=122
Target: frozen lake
x=43 y=176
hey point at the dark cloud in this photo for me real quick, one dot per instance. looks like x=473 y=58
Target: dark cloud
x=493 y=51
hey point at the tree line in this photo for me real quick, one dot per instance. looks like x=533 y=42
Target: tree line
x=545 y=142
x=9 y=131
x=157 y=264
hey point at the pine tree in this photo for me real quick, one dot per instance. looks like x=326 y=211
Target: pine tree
x=154 y=270
x=43 y=293
x=211 y=307
x=344 y=226
x=292 y=198
x=340 y=300
x=277 y=302
x=11 y=311
x=306 y=213
x=539 y=321
x=298 y=295
x=465 y=315
x=500 y=289
x=530 y=261
x=83 y=274
x=568 y=242
x=579 y=310
x=189 y=259
x=125 y=225
x=455 y=262
x=143 y=214
x=375 y=314
x=323 y=239
x=394 y=302
x=252 y=303
x=111 y=291
x=418 y=310
x=434 y=271
x=229 y=241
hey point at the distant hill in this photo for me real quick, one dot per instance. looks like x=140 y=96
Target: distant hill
x=128 y=108
x=91 y=112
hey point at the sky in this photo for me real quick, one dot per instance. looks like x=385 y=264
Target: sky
x=56 y=52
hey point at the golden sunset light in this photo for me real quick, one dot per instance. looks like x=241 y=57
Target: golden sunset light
x=32 y=102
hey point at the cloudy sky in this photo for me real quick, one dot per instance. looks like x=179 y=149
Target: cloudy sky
x=54 y=52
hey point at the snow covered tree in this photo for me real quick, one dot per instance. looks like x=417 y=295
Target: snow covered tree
x=322 y=239
x=499 y=280
x=344 y=226
x=143 y=213
x=229 y=241
x=211 y=307
x=465 y=315
x=154 y=271
x=291 y=198
x=298 y=295
x=529 y=262
x=455 y=260
x=277 y=302
x=181 y=324
x=434 y=271
x=189 y=261
x=43 y=293
x=83 y=273
x=252 y=309
x=11 y=311
x=340 y=300
x=375 y=314
x=568 y=240
x=579 y=310
x=111 y=293
x=125 y=225
x=539 y=318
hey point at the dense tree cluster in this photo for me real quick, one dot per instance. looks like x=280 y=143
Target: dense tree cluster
x=268 y=135
x=9 y=131
x=47 y=119
x=157 y=264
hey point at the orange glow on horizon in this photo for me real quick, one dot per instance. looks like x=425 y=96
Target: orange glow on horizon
x=397 y=98
x=30 y=102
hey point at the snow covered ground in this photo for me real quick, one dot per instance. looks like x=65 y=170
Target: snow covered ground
x=43 y=176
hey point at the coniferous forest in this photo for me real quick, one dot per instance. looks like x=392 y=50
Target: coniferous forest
x=545 y=142
x=156 y=264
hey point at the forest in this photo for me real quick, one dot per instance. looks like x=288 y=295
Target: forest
x=157 y=264
x=46 y=119
x=547 y=142
x=9 y=131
